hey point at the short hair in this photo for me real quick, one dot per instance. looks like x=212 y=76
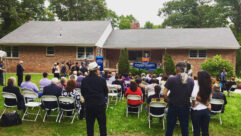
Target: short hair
x=138 y=80
x=54 y=80
x=181 y=67
x=62 y=80
x=72 y=77
x=154 y=80
x=71 y=85
x=133 y=86
x=45 y=74
x=11 y=81
x=27 y=77
x=157 y=89
x=75 y=73
x=79 y=73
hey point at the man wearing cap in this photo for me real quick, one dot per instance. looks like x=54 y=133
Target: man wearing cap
x=95 y=92
x=20 y=72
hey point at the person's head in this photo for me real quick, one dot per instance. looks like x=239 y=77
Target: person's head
x=232 y=79
x=138 y=81
x=133 y=86
x=75 y=73
x=157 y=89
x=20 y=62
x=181 y=69
x=71 y=85
x=195 y=77
x=45 y=74
x=164 y=77
x=154 y=81
x=72 y=77
x=224 y=70
x=79 y=73
x=205 y=86
x=93 y=68
x=55 y=64
x=113 y=74
x=125 y=75
x=216 y=87
x=154 y=76
x=63 y=80
x=143 y=74
x=28 y=77
x=54 y=81
x=11 y=81
x=63 y=62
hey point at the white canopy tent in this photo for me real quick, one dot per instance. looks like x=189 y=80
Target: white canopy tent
x=3 y=56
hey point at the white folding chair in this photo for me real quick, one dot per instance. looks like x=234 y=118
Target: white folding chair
x=232 y=89
x=160 y=106
x=26 y=90
x=31 y=104
x=45 y=100
x=12 y=96
x=137 y=98
x=219 y=103
x=112 y=94
x=41 y=89
x=151 y=92
x=62 y=101
x=127 y=82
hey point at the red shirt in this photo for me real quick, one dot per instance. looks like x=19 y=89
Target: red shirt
x=137 y=92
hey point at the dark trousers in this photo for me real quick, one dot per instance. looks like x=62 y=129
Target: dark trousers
x=1 y=78
x=56 y=75
x=174 y=113
x=200 y=120
x=20 y=80
x=96 y=112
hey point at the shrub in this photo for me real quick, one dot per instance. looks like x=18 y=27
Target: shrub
x=214 y=66
x=123 y=62
x=169 y=65
x=158 y=71
x=135 y=71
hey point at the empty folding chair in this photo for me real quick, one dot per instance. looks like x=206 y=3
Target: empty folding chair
x=232 y=89
x=138 y=107
x=112 y=94
x=9 y=96
x=67 y=102
x=157 y=109
x=217 y=106
x=34 y=103
x=50 y=103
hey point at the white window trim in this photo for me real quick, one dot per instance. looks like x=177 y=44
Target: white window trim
x=197 y=54
x=47 y=51
x=12 y=52
x=84 y=53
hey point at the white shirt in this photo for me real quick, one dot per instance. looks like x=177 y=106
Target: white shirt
x=195 y=91
x=56 y=69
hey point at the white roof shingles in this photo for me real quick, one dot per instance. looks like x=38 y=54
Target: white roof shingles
x=56 y=33
x=195 y=38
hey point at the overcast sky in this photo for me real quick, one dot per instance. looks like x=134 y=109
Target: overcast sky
x=142 y=10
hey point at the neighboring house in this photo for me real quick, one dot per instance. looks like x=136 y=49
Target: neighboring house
x=39 y=44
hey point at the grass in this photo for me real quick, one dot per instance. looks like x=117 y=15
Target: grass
x=120 y=125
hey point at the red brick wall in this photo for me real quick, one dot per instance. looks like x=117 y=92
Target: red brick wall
x=35 y=59
x=111 y=57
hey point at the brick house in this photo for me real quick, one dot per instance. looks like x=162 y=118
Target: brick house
x=40 y=44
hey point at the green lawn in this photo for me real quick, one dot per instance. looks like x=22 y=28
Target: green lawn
x=120 y=125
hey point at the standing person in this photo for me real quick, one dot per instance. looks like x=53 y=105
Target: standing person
x=63 y=70
x=223 y=79
x=56 y=70
x=201 y=108
x=95 y=92
x=20 y=70
x=1 y=73
x=180 y=87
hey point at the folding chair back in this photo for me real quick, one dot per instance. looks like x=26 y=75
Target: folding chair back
x=69 y=100
x=64 y=99
x=127 y=82
x=157 y=109
x=9 y=95
x=133 y=97
x=46 y=100
x=26 y=90
x=150 y=93
x=49 y=98
x=30 y=94
x=219 y=103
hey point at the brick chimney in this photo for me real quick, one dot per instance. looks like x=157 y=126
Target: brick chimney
x=135 y=25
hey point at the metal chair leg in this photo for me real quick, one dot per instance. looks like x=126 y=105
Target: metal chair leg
x=25 y=113
x=37 y=115
x=127 y=111
x=220 y=119
x=61 y=115
x=58 y=117
x=163 y=123
x=45 y=116
x=73 y=117
x=149 y=120
x=3 y=112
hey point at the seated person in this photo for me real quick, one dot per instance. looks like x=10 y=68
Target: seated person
x=230 y=83
x=73 y=76
x=139 y=84
x=118 y=81
x=29 y=85
x=150 y=88
x=54 y=90
x=80 y=77
x=157 y=97
x=45 y=81
x=10 y=88
x=71 y=92
x=134 y=90
x=217 y=94
x=63 y=83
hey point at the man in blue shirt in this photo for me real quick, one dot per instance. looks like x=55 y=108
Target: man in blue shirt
x=29 y=85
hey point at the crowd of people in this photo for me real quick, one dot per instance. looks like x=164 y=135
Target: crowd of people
x=90 y=102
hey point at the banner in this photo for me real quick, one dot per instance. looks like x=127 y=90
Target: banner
x=99 y=61
x=146 y=66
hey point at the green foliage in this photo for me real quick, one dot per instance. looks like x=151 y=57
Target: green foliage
x=136 y=72
x=123 y=63
x=214 y=66
x=169 y=65
x=125 y=21
x=111 y=15
x=148 y=25
x=193 y=14
x=74 y=10
x=158 y=71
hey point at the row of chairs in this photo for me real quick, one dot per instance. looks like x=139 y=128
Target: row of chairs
x=32 y=101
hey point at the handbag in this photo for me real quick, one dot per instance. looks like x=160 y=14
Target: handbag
x=10 y=119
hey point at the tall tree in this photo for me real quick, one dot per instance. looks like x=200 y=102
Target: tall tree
x=111 y=15
x=123 y=62
x=193 y=14
x=234 y=11
x=73 y=10
x=148 y=25
x=169 y=65
x=125 y=21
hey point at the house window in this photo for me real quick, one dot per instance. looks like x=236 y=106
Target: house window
x=50 y=51
x=137 y=55
x=12 y=51
x=197 y=54
x=85 y=53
